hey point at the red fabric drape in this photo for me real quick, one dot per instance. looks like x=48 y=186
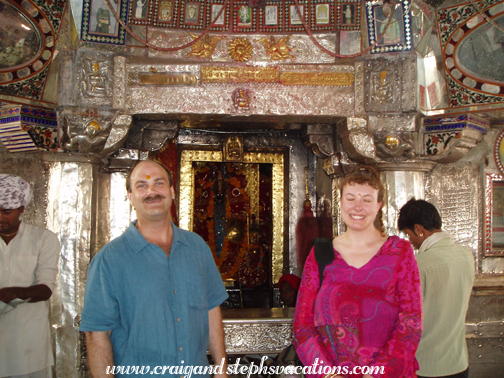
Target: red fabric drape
x=169 y=158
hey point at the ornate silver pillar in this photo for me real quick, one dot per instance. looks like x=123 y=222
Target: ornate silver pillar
x=401 y=182
x=71 y=214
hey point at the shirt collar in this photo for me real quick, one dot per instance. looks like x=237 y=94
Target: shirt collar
x=137 y=241
x=433 y=239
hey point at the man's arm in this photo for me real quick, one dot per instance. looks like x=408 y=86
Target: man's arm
x=35 y=293
x=45 y=273
x=99 y=353
x=216 y=335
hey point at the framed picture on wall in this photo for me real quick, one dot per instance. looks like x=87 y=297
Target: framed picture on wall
x=99 y=23
x=322 y=13
x=494 y=203
x=191 y=15
x=244 y=16
x=294 y=16
x=392 y=33
x=494 y=215
x=271 y=15
x=349 y=14
x=165 y=11
x=216 y=9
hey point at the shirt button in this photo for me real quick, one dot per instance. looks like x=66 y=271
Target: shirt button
x=174 y=291
x=180 y=348
x=178 y=319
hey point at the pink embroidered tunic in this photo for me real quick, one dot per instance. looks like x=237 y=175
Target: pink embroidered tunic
x=370 y=316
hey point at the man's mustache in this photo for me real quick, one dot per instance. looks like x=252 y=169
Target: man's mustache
x=153 y=198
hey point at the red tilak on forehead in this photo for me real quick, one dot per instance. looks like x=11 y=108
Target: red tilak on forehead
x=147 y=177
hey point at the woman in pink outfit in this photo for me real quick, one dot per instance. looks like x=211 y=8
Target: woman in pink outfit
x=365 y=318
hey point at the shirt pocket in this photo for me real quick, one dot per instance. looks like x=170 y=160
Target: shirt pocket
x=23 y=270
x=196 y=293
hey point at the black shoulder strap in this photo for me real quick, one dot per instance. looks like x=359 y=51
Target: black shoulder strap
x=324 y=254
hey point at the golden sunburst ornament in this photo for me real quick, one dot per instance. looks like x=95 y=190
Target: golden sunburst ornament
x=240 y=49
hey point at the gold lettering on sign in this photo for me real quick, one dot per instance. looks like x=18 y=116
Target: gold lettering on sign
x=337 y=79
x=239 y=75
x=168 y=79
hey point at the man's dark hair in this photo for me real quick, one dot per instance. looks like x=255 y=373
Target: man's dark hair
x=130 y=172
x=419 y=212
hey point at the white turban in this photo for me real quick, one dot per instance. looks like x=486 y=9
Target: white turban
x=14 y=192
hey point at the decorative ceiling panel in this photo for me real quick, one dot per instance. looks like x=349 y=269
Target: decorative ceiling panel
x=28 y=33
x=472 y=43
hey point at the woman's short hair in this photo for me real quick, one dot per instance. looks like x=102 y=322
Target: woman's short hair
x=419 y=212
x=367 y=175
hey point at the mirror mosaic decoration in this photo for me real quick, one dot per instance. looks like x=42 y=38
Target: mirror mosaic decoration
x=28 y=32
x=473 y=40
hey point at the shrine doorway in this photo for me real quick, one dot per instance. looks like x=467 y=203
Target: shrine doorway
x=237 y=207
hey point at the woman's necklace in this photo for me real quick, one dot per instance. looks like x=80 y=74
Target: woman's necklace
x=8 y=235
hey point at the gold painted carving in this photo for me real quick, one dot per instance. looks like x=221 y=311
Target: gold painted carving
x=233 y=149
x=382 y=86
x=241 y=99
x=214 y=74
x=205 y=47
x=168 y=79
x=277 y=50
x=252 y=189
x=186 y=205
x=312 y=78
x=240 y=49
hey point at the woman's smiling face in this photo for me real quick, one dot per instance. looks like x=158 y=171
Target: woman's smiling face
x=359 y=206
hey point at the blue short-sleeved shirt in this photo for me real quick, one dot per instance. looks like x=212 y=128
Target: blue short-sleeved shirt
x=157 y=307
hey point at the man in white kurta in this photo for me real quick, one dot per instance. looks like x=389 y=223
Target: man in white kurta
x=28 y=268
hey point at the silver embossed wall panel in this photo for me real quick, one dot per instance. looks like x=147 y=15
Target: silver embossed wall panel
x=257 y=338
x=94 y=75
x=216 y=98
x=383 y=85
x=455 y=190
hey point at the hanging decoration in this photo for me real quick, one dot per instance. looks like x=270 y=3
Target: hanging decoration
x=219 y=213
x=307 y=228
x=167 y=156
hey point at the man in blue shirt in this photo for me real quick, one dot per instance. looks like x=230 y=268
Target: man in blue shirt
x=153 y=294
